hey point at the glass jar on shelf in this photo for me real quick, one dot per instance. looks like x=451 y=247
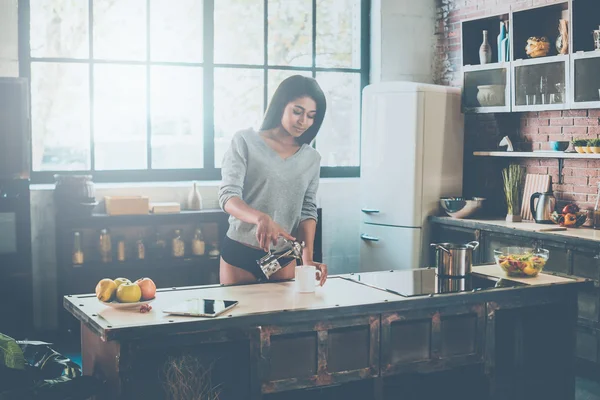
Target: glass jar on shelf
x=140 y=249
x=77 y=249
x=121 y=250
x=158 y=246
x=105 y=246
x=178 y=245
x=198 y=244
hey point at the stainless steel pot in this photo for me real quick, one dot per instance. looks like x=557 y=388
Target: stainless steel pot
x=454 y=259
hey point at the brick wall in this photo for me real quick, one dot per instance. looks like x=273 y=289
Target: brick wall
x=528 y=131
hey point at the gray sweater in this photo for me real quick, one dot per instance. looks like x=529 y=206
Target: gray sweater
x=283 y=189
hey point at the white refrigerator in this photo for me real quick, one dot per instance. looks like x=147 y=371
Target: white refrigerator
x=411 y=155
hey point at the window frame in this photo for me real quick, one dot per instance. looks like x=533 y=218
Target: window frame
x=209 y=172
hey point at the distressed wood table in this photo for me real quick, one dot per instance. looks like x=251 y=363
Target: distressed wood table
x=347 y=339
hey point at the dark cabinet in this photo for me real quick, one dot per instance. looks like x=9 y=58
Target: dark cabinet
x=568 y=256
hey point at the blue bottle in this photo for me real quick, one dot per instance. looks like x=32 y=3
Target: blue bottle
x=501 y=39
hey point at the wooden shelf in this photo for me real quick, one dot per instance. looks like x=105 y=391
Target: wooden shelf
x=535 y=154
x=105 y=220
x=558 y=155
x=151 y=264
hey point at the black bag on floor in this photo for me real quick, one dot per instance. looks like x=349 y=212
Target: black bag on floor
x=46 y=375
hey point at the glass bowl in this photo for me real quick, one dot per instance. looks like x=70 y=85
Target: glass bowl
x=521 y=261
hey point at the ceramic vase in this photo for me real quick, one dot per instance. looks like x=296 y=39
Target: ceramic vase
x=485 y=50
x=194 y=199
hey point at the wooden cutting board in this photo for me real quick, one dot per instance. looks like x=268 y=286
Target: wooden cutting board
x=533 y=183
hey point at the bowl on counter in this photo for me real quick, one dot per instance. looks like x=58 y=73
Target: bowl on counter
x=459 y=207
x=558 y=145
x=569 y=220
x=525 y=262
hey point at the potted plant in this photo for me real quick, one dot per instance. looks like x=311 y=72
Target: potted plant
x=579 y=145
x=513 y=184
x=594 y=145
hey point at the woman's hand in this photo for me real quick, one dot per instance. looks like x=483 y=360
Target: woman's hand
x=321 y=271
x=268 y=231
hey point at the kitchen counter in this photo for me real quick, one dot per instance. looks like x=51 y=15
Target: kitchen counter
x=515 y=340
x=534 y=230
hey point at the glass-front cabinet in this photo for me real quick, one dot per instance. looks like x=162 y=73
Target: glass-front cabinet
x=486 y=90
x=541 y=84
x=586 y=80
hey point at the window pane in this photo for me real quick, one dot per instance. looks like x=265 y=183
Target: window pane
x=120 y=117
x=239 y=31
x=276 y=76
x=120 y=29
x=177 y=117
x=238 y=105
x=338 y=140
x=176 y=30
x=59 y=29
x=338 y=33
x=60 y=116
x=290 y=32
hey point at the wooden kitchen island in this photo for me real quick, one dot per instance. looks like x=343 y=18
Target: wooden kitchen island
x=355 y=338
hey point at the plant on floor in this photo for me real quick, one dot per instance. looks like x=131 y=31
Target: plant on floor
x=185 y=378
x=513 y=182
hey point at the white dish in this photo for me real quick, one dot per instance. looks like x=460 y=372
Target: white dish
x=116 y=304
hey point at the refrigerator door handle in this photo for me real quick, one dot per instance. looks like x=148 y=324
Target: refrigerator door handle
x=370 y=211
x=369 y=238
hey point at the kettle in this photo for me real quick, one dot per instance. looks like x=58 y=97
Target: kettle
x=542 y=212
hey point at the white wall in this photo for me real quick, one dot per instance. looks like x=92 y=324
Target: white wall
x=402 y=37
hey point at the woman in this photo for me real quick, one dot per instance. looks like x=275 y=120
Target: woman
x=269 y=185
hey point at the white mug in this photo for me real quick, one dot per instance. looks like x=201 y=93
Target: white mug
x=306 y=276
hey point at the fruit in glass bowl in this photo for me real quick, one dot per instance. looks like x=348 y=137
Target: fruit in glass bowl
x=521 y=261
x=569 y=220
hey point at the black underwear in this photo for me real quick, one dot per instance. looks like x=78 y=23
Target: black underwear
x=246 y=257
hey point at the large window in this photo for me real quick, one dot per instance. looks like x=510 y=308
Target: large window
x=155 y=89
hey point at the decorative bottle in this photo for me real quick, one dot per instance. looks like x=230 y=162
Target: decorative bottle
x=77 y=250
x=505 y=45
x=597 y=210
x=485 y=50
x=178 y=245
x=194 y=199
x=500 y=42
x=198 y=244
x=105 y=246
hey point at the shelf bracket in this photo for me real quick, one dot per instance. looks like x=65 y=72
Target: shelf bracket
x=561 y=164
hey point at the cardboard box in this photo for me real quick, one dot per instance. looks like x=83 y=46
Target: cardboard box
x=127 y=205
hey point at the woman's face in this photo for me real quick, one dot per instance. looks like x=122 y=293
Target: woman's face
x=298 y=116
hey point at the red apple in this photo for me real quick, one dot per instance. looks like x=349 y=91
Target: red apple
x=148 y=288
x=570 y=209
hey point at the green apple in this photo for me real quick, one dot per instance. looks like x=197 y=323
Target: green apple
x=120 y=281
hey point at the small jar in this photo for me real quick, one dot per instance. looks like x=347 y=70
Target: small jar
x=105 y=246
x=198 y=244
x=178 y=245
x=140 y=249
x=77 y=249
x=121 y=250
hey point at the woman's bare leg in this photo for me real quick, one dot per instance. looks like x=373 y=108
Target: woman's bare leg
x=231 y=275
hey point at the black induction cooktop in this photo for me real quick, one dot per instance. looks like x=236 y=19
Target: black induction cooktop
x=425 y=281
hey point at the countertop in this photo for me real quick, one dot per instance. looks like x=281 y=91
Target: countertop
x=582 y=233
x=264 y=302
